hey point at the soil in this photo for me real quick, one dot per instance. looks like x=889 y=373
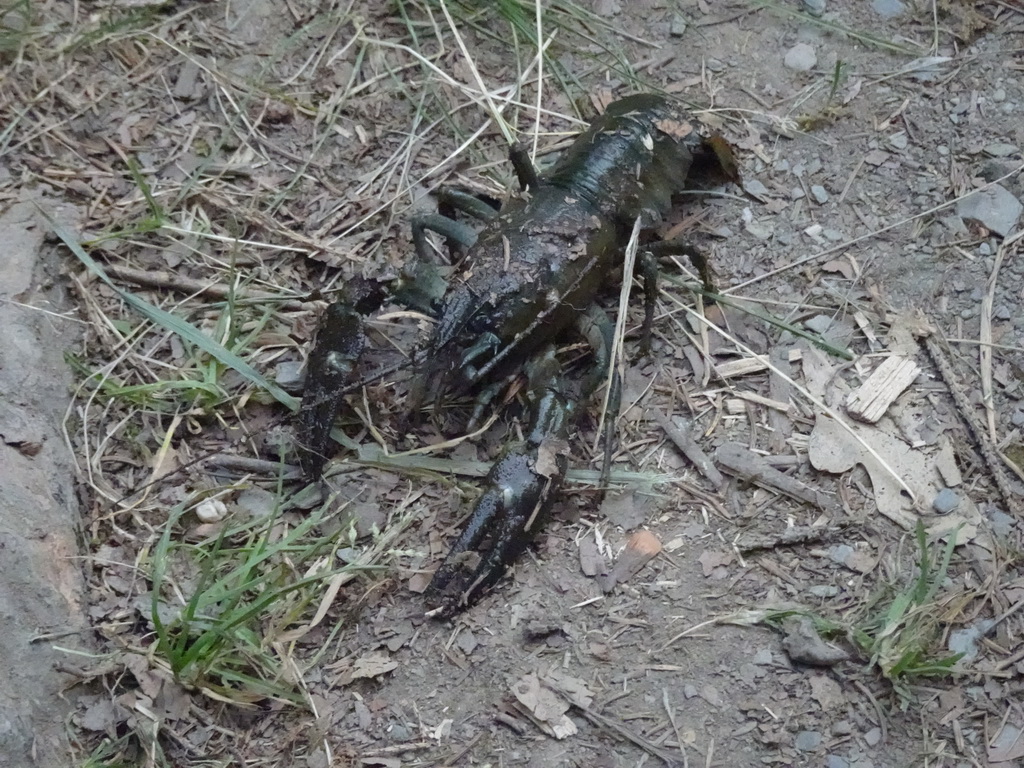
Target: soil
x=278 y=150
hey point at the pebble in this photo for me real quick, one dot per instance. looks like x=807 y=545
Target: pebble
x=800 y=58
x=757 y=189
x=984 y=250
x=946 y=501
x=873 y=736
x=1017 y=419
x=995 y=207
x=999 y=94
x=814 y=7
x=807 y=741
x=819 y=193
x=842 y=728
x=211 y=511
x=715 y=65
x=836 y=761
x=796 y=193
x=898 y=140
x=677 y=28
x=888 y=9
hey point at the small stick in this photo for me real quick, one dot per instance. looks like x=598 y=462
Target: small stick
x=689 y=448
x=751 y=466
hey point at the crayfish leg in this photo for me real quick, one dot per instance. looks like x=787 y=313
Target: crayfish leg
x=339 y=343
x=696 y=257
x=525 y=170
x=599 y=332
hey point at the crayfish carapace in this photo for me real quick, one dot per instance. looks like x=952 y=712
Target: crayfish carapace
x=530 y=277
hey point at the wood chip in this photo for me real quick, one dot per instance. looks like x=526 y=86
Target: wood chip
x=749 y=365
x=640 y=549
x=870 y=401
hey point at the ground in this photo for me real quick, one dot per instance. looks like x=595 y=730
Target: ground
x=187 y=182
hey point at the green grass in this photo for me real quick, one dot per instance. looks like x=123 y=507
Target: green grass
x=901 y=624
x=222 y=605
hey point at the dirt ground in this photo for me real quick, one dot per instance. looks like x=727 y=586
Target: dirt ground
x=829 y=586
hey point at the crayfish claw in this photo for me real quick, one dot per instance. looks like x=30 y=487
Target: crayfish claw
x=518 y=496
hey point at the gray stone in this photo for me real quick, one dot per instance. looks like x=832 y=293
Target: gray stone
x=898 y=140
x=994 y=207
x=807 y=741
x=290 y=375
x=888 y=9
x=814 y=7
x=840 y=553
x=1002 y=523
x=677 y=28
x=819 y=324
x=819 y=193
x=836 y=761
x=796 y=193
x=946 y=501
x=873 y=736
x=1001 y=149
x=801 y=58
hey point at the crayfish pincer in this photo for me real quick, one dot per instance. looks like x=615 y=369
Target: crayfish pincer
x=530 y=280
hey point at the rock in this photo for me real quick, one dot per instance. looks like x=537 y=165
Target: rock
x=995 y=208
x=819 y=324
x=290 y=376
x=1000 y=149
x=873 y=736
x=819 y=194
x=807 y=741
x=888 y=9
x=898 y=140
x=814 y=7
x=836 y=761
x=803 y=645
x=946 y=501
x=677 y=28
x=801 y=58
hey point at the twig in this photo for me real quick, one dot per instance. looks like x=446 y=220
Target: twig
x=750 y=466
x=993 y=460
x=690 y=449
x=172 y=281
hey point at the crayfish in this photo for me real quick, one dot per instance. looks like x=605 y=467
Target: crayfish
x=527 y=280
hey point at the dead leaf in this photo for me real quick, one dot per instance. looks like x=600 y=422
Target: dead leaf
x=543 y=706
x=369 y=666
x=591 y=560
x=709 y=561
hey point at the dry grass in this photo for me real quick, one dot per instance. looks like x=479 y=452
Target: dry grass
x=223 y=196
